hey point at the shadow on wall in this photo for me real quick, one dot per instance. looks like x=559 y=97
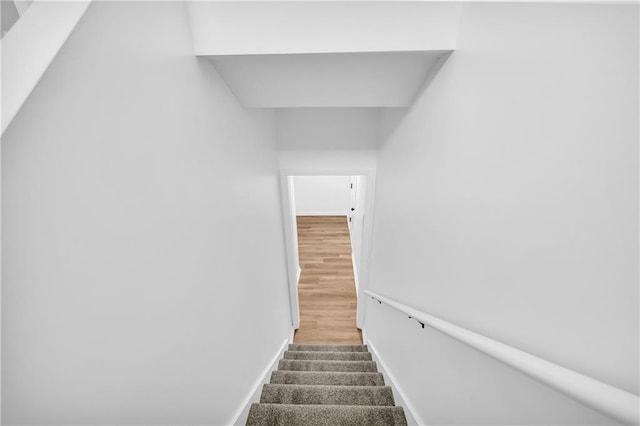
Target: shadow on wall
x=393 y=117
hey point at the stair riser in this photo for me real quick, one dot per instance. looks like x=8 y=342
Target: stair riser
x=328 y=356
x=329 y=348
x=327 y=395
x=322 y=415
x=327 y=378
x=346 y=366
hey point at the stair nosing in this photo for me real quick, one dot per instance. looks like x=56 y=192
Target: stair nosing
x=327 y=386
x=326 y=365
x=325 y=352
x=328 y=406
x=329 y=360
x=323 y=372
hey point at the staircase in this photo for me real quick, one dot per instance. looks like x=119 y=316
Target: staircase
x=326 y=385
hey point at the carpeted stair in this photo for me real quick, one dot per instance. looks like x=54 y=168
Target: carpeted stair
x=326 y=385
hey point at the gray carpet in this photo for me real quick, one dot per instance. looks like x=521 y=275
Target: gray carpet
x=330 y=356
x=318 y=365
x=327 y=378
x=326 y=385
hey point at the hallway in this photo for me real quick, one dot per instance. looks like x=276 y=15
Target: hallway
x=326 y=289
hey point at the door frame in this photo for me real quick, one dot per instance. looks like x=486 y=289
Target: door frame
x=293 y=268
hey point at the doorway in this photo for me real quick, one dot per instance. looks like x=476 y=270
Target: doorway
x=327 y=218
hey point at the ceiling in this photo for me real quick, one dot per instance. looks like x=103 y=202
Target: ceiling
x=371 y=79
x=324 y=54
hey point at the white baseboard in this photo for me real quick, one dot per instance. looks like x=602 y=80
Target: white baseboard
x=298 y=276
x=399 y=395
x=241 y=414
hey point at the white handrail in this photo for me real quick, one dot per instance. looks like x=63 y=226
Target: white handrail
x=617 y=403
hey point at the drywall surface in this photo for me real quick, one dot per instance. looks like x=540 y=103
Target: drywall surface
x=30 y=46
x=327 y=161
x=358 y=218
x=291 y=190
x=507 y=203
x=322 y=195
x=327 y=128
x=144 y=277
x=371 y=79
x=245 y=28
x=9 y=16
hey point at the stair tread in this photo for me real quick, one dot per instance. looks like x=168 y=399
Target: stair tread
x=327 y=395
x=328 y=348
x=327 y=378
x=326 y=355
x=326 y=365
x=316 y=415
x=326 y=385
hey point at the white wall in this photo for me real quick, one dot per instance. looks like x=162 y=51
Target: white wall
x=292 y=214
x=507 y=203
x=31 y=45
x=358 y=218
x=320 y=80
x=327 y=128
x=144 y=276
x=330 y=161
x=237 y=28
x=322 y=195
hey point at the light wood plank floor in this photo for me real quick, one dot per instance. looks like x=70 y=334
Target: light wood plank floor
x=326 y=290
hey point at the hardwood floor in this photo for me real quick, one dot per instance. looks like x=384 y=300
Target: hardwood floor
x=327 y=288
